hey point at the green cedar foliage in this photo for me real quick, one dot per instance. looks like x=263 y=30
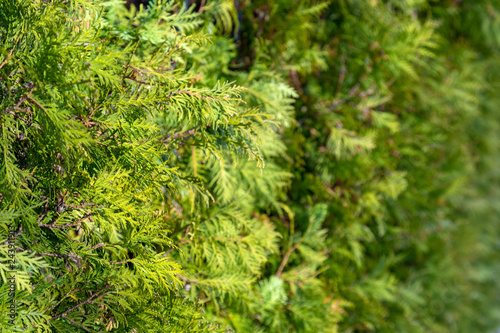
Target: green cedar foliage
x=94 y=118
x=395 y=138
x=394 y=133
x=258 y=166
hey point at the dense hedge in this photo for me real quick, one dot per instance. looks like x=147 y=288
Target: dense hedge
x=256 y=166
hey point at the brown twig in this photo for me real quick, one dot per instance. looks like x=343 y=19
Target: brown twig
x=285 y=258
x=14 y=73
x=81 y=206
x=10 y=53
x=202 y=6
x=68 y=225
x=295 y=80
x=139 y=69
x=45 y=211
x=186 y=280
x=145 y=82
x=88 y=300
x=342 y=74
x=16 y=107
x=96 y=246
x=36 y=103
x=183 y=134
x=54 y=255
x=181 y=241
x=53 y=306
x=17 y=116
x=75 y=323
x=195 y=95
